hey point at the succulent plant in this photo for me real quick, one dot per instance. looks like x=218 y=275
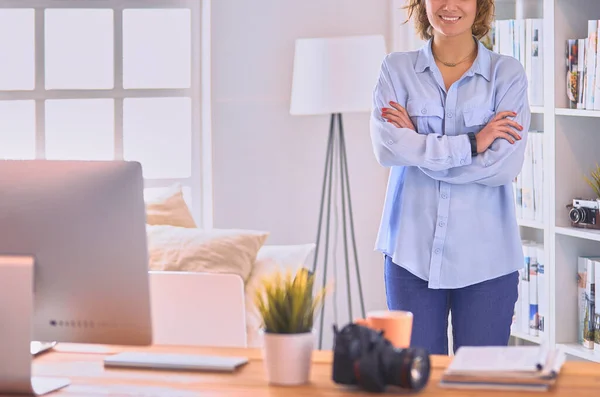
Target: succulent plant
x=287 y=303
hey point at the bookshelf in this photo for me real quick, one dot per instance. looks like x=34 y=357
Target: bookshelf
x=537 y=109
x=571 y=149
x=576 y=112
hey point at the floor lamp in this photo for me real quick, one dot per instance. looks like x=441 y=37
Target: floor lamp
x=333 y=76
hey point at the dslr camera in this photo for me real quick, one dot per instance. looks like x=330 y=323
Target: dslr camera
x=365 y=358
x=585 y=213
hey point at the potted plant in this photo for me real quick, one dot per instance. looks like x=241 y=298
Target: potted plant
x=594 y=182
x=287 y=305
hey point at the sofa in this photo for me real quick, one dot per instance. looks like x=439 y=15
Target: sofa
x=218 y=269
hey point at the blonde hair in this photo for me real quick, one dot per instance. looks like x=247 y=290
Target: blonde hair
x=481 y=26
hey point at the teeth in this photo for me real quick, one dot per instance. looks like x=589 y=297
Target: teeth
x=450 y=19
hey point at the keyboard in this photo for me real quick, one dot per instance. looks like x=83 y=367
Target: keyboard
x=166 y=361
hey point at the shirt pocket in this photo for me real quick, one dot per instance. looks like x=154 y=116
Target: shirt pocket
x=477 y=117
x=427 y=116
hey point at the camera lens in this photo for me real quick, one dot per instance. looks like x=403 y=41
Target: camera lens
x=577 y=215
x=410 y=369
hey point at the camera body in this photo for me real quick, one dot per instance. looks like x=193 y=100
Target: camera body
x=365 y=358
x=585 y=213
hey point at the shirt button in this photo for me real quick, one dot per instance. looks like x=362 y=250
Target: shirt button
x=449 y=114
x=390 y=142
x=462 y=161
x=424 y=111
x=437 y=250
x=442 y=224
x=444 y=196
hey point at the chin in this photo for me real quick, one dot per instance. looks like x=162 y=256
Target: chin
x=453 y=32
x=458 y=27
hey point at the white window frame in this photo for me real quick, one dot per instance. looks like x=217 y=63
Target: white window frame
x=200 y=180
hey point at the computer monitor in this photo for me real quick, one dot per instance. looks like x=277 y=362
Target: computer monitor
x=73 y=261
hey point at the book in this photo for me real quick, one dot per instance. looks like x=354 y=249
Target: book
x=523 y=298
x=533 y=291
x=522 y=39
x=590 y=64
x=528 y=185
x=504 y=367
x=542 y=292
x=531 y=308
x=588 y=321
x=581 y=297
x=583 y=69
x=596 y=263
x=527 y=173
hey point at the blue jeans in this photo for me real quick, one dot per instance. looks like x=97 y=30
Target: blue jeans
x=481 y=313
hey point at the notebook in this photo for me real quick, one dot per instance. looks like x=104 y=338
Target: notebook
x=181 y=362
x=504 y=367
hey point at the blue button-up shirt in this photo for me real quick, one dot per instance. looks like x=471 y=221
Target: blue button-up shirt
x=449 y=217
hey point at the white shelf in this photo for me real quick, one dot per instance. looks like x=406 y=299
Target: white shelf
x=588 y=234
x=577 y=112
x=527 y=337
x=530 y=223
x=577 y=350
x=537 y=109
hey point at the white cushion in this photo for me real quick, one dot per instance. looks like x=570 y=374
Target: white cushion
x=233 y=251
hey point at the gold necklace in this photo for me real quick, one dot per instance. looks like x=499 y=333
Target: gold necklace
x=450 y=64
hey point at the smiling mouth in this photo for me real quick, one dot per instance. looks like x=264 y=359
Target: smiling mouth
x=449 y=19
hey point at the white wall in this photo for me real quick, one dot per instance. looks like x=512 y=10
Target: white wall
x=403 y=32
x=268 y=165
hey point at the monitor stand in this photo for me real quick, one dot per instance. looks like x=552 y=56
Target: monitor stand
x=16 y=312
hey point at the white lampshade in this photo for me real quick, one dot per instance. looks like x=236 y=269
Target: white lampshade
x=336 y=75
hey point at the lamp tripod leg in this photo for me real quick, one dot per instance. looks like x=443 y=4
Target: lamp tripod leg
x=326 y=190
x=347 y=217
x=346 y=184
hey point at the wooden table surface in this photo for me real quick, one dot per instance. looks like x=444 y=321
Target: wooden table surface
x=84 y=366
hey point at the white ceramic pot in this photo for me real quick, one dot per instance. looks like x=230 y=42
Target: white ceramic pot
x=287 y=357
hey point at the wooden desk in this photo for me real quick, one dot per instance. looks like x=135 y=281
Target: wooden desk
x=90 y=378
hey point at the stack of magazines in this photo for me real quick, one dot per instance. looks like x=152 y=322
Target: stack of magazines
x=532 y=368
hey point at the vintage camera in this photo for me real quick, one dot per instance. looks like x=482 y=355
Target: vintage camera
x=585 y=213
x=363 y=357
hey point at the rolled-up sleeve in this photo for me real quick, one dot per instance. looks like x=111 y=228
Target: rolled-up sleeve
x=395 y=146
x=502 y=161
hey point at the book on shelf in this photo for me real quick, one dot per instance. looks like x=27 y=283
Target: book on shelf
x=531 y=308
x=504 y=367
x=596 y=305
x=583 y=69
x=528 y=186
x=588 y=278
x=523 y=40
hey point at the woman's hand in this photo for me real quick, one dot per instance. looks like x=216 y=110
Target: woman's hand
x=499 y=127
x=398 y=116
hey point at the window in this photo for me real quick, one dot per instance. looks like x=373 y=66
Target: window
x=109 y=79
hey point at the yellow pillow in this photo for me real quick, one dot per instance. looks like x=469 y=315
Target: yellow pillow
x=169 y=208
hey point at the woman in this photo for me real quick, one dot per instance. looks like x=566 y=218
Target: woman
x=451 y=121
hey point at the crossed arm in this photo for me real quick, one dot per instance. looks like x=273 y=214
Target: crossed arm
x=448 y=158
x=395 y=146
